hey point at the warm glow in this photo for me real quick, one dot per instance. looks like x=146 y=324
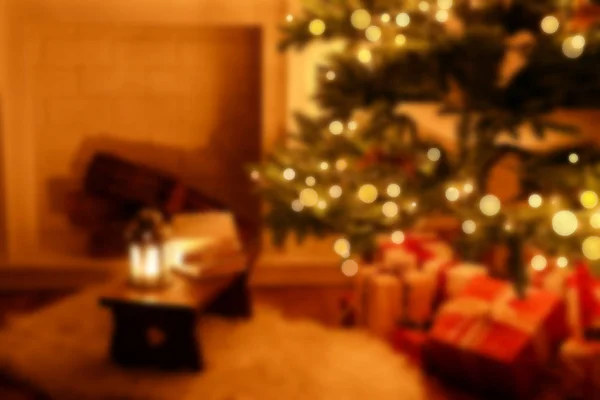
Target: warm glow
x=535 y=201
x=591 y=248
x=336 y=127
x=367 y=193
x=335 y=191
x=571 y=48
x=402 y=20
x=385 y=17
x=573 y=158
x=562 y=262
x=360 y=19
x=390 y=209
x=297 y=205
x=145 y=265
x=400 y=40
x=310 y=181
x=342 y=247
x=444 y=4
x=550 y=24
x=539 y=262
x=341 y=164
x=309 y=197
x=578 y=42
x=316 y=27
x=352 y=125
x=289 y=18
x=349 y=268
x=330 y=75
x=398 y=237
x=364 y=56
x=394 y=190
x=424 y=6
x=489 y=205
x=255 y=175
x=469 y=227
x=373 y=33
x=564 y=223
x=595 y=220
x=441 y=16
x=434 y=154
x=322 y=204
x=324 y=165
x=589 y=199
x=452 y=194
x=289 y=174
x=468 y=188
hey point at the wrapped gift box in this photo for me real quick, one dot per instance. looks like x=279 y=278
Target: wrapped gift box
x=492 y=341
x=580 y=369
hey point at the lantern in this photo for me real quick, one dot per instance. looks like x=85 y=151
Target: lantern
x=147 y=236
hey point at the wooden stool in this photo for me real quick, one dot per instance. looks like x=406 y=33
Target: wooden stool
x=158 y=327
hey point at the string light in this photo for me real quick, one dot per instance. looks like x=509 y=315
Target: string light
x=562 y=262
x=539 y=262
x=360 y=19
x=578 y=42
x=342 y=247
x=385 y=17
x=595 y=220
x=373 y=33
x=255 y=175
x=508 y=227
x=335 y=191
x=489 y=205
x=564 y=223
x=398 y=237
x=434 y=154
x=402 y=20
x=349 y=268
x=400 y=40
x=309 y=197
x=468 y=188
x=394 y=190
x=310 y=181
x=442 y=16
x=452 y=194
x=390 y=209
x=316 y=27
x=367 y=193
x=322 y=204
x=469 y=227
x=591 y=248
x=352 y=125
x=589 y=199
x=289 y=18
x=324 y=165
x=330 y=75
x=444 y=4
x=364 y=56
x=550 y=24
x=289 y=174
x=572 y=47
x=573 y=158
x=341 y=164
x=424 y=6
x=336 y=127
x=413 y=206
x=297 y=205
x=535 y=201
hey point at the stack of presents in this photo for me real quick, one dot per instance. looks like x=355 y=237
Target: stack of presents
x=463 y=324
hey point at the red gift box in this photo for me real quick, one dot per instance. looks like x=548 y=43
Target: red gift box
x=410 y=342
x=494 y=342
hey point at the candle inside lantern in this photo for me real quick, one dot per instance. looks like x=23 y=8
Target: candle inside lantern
x=146 y=265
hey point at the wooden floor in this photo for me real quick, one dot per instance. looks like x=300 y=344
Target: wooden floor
x=318 y=303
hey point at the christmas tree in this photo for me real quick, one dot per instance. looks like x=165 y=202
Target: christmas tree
x=360 y=169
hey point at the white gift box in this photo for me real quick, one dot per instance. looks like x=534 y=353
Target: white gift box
x=400 y=260
x=459 y=276
x=420 y=289
x=383 y=304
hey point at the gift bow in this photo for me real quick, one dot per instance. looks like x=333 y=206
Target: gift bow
x=413 y=245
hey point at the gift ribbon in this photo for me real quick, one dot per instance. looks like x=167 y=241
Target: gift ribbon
x=412 y=245
x=583 y=282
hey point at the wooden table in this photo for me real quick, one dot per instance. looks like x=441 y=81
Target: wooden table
x=158 y=327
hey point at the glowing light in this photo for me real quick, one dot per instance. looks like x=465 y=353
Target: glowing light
x=289 y=18
x=578 y=42
x=402 y=20
x=394 y=190
x=589 y=199
x=390 y=209
x=342 y=247
x=322 y=204
x=335 y=191
x=573 y=158
x=452 y=194
x=255 y=175
x=562 y=262
x=367 y=193
x=309 y=197
x=364 y=56
x=444 y=4
x=398 y=237
x=535 y=201
x=489 y=205
x=400 y=40
x=434 y=154
x=570 y=48
x=324 y=165
x=289 y=174
x=550 y=24
x=316 y=27
x=336 y=127
x=385 y=17
x=591 y=248
x=349 y=268
x=360 y=19
x=564 y=223
x=341 y=164
x=508 y=227
x=413 y=205
x=539 y=262
x=310 y=180
x=442 y=16
x=424 y=6
x=373 y=33
x=330 y=75
x=595 y=220
x=297 y=205
x=469 y=227
x=468 y=188
x=352 y=125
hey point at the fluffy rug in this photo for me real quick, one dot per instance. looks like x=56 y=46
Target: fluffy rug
x=62 y=351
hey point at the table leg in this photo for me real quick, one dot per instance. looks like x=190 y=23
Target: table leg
x=234 y=302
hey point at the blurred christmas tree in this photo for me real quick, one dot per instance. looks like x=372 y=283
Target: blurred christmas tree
x=361 y=169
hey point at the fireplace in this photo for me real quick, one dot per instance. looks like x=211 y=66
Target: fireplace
x=193 y=88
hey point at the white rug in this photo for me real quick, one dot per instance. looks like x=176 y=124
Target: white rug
x=62 y=351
